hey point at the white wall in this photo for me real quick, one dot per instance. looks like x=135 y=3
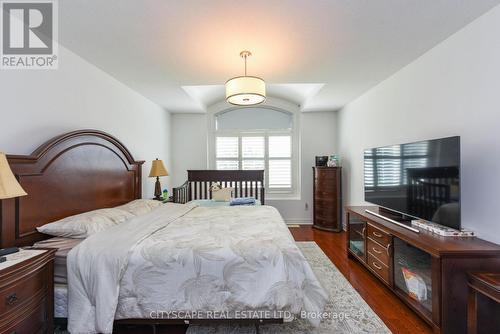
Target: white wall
x=318 y=137
x=453 y=89
x=189 y=149
x=189 y=145
x=37 y=105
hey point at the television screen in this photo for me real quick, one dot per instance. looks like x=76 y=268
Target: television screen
x=420 y=179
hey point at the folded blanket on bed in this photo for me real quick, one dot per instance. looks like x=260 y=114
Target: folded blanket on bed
x=242 y=201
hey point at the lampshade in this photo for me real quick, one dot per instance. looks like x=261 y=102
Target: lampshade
x=9 y=187
x=158 y=169
x=245 y=91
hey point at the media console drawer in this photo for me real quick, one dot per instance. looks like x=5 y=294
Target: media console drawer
x=379 y=252
x=381 y=269
x=376 y=234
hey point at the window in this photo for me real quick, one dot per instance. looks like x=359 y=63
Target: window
x=258 y=138
x=280 y=162
x=272 y=153
x=227 y=153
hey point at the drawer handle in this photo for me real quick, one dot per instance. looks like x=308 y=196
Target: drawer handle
x=388 y=249
x=378 y=235
x=377 y=266
x=376 y=250
x=11 y=299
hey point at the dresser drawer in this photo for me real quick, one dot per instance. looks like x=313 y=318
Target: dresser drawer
x=325 y=217
x=376 y=234
x=325 y=211
x=326 y=175
x=378 y=267
x=318 y=220
x=325 y=193
x=31 y=322
x=17 y=294
x=325 y=202
x=379 y=252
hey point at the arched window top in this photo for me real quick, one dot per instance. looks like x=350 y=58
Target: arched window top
x=253 y=118
x=259 y=137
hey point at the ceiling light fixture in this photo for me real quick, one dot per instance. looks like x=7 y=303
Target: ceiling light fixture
x=245 y=90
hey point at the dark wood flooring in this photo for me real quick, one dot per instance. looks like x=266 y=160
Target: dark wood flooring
x=396 y=315
x=393 y=312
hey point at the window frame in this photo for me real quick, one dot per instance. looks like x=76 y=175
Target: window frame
x=272 y=194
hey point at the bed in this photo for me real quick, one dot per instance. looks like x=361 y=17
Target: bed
x=178 y=257
x=246 y=183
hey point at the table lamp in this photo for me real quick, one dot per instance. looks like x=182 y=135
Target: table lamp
x=158 y=169
x=9 y=187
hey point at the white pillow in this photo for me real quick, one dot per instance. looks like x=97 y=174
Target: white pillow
x=85 y=224
x=222 y=195
x=140 y=206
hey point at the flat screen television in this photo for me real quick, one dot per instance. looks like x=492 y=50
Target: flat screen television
x=419 y=180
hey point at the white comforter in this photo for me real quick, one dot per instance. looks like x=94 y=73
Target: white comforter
x=189 y=259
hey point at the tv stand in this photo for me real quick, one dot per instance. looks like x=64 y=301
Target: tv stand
x=402 y=260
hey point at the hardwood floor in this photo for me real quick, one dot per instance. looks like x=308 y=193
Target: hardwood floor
x=396 y=315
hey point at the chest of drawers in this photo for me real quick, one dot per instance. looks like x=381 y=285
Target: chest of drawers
x=327 y=198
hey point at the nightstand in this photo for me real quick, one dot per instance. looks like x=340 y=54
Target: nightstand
x=27 y=292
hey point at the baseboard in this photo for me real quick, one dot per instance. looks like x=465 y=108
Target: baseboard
x=298 y=221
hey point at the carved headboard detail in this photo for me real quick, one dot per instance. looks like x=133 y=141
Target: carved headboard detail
x=70 y=174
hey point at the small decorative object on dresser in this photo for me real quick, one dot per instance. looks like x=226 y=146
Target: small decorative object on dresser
x=27 y=292
x=321 y=160
x=158 y=169
x=333 y=161
x=327 y=211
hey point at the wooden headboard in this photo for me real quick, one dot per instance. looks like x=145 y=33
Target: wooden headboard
x=70 y=174
x=246 y=183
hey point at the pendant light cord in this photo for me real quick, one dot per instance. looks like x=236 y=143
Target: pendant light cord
x=245 y=54
x=246 y=65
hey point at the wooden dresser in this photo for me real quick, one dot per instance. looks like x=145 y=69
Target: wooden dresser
x=27 y=292
x=327 y=198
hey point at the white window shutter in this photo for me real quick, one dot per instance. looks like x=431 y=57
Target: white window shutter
x=280 y=174
x=252 y=147
x=280 y=147
x=227 y=147
x=253 y=154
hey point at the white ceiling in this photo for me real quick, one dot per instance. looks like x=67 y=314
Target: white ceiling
x=319 y=54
